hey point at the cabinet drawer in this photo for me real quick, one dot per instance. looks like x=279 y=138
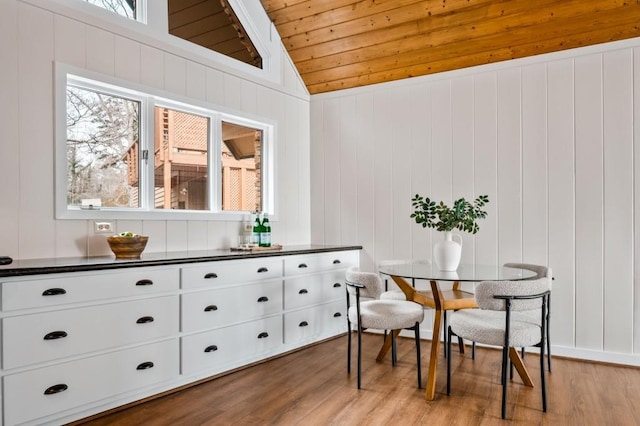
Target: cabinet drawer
x=314 y=289
x=216 y=308
x=217 y=349
x=308 y=323
x=64 y=289
x=86 y=380
x=29 y=339
x=230 y=272
x=309 y=264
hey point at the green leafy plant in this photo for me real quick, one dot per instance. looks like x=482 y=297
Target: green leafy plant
x=462 y=216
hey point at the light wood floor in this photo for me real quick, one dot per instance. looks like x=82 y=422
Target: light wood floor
x=311 y=387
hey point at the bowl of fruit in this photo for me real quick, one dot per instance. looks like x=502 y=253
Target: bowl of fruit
x=127 y=245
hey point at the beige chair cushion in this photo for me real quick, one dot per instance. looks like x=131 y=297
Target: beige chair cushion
x=387 y=314
x=487 y=327
x=393 y=295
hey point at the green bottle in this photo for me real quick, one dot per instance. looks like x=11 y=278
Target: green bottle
x=265 y=234
x=257 y=228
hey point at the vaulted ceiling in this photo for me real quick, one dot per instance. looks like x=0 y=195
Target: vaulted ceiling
x=339 y=44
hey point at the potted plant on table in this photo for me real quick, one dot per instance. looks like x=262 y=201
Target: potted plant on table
x=463 y=216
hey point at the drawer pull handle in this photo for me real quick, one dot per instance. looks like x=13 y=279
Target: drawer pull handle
x=55 y=335
x=263 y=299
x=337 y=262
x=303 y=291
x=263 y=269
x=211 y=275
x=337 y=285
x=303 y=324
x=211 y=308
x=144 y=282
x=54 y=292
x=302 y=265
x=211 y=348
x=56 y=389
x=144 y=320
x=263 y=335
x=145 y=365
x=337 y=315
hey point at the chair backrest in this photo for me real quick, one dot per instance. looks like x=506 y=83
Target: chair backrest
x=486 y=290
x=541 y=271
x=372 y=284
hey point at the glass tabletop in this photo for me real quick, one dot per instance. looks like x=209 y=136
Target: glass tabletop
x=465 y=272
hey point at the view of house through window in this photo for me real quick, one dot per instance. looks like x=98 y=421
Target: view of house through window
x=102 y=146
x=125 y=8
x=180 y=156
x=241 y=172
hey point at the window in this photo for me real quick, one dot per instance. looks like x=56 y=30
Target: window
x=126 y=8
x=125 y=151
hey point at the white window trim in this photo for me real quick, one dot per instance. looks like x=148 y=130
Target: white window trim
x=149 y=97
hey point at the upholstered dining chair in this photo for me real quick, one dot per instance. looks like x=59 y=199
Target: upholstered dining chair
x=541 y=272
x=503 y=319
x=378 y=314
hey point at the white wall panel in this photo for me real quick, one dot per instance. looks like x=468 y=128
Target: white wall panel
x=348 y=171
x=175 y=74
x=509 y=196
x=331 y=132
x=365 y=228
x=70 y=41
x=100 y=50
x=197 y=235
x=127 y=59
x=215 y=86
x=618 y=201
x=550 y=141
x=534 y=164
x=383 y=184
x=36 y=53
x=486 y=164
x=400 y=101
x=152 y=67
x=10 y=143
x=589 y=202
x=317 y=173
x=463 y=152
x=636 y=198
x=177 y=235
x=196 y=76
x=420 y=118
x=560 y=137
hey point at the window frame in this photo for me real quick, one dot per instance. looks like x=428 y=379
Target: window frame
x=149 y=98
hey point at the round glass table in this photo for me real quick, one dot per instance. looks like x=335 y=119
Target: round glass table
x=446 y=300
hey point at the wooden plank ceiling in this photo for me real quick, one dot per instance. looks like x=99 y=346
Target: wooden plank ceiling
x=339 y=44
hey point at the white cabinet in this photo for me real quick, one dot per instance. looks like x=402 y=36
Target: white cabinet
x=77 y=343
x=44 y=391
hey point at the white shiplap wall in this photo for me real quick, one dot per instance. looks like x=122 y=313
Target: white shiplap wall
x=550 y=139
x=34 y=37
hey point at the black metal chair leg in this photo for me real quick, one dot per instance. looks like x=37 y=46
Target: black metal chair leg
x=417 y=329
x=505 y=357
x=393 y=348
x=448 y=331
x=543 y=384
x=549 y=332
x=473 y=350
x=359 y=354
x=349 y=348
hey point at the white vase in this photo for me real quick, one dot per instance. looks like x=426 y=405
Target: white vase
x=447 y=253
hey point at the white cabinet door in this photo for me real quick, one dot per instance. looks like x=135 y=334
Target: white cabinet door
x=29 y=339
x=218 y=274
x=313 y=289
x=313 y=263
x=216 y=308
x=44 y=391
x=307 y=324
x=216 y=350
x=63 y=289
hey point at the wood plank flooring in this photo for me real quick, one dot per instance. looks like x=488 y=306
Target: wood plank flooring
x=311 y=387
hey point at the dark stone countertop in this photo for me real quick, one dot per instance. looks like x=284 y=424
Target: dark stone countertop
x=24 y=267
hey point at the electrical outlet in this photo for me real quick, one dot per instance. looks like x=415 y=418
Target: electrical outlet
x=103 y=227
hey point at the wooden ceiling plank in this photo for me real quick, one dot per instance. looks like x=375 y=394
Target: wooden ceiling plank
x=194 y=13
x=366 y=11
x=441 y=30
x=201 y=26
x=174 y=6
x=216 y=36
x=273 y=5
x=480 y=44
x=614 y=30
